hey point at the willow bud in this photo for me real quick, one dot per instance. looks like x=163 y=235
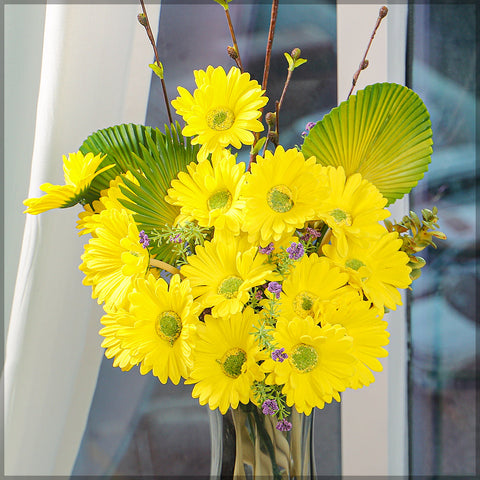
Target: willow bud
x=142 y=19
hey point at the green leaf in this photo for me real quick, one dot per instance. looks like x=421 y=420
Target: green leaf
x=294 y=63
x=383 y=132
x=162 y=157
x=157 y=69
x=223 y=3
x=118 y=144
x=154 y=159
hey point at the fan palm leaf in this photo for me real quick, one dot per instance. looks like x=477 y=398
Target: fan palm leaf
x=383 y=132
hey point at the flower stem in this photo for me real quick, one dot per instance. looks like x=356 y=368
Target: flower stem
x=157 y=59
x=164 y=266
x=364 y=63
x=238 y=60
x=259 y=421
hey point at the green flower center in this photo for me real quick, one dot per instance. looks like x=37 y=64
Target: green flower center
x=220 y=118
x=229 y=287
x=302 y=303
x=168 y=326
x=341 y=216
x=220 y=199
x=232 y=362
x=279 y=199
x=354 y=263
x=304 y=358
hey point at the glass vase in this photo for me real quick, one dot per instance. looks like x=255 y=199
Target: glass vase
x=246 y=444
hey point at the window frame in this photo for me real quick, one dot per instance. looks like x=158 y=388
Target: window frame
x=374 y=420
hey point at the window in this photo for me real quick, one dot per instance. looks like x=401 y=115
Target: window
x=443 y=317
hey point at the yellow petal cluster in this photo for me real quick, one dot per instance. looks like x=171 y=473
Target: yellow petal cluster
x=79 y=171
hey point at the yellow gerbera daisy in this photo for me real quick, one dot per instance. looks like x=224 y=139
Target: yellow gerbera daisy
x=109 y=198
x=312 y=282
x=223 y=110
x=226 y=361
x=164 y=333
x=369 y=335
x=210 y=194
x=79 y=171
x=379 y=269
x=113 y=323
x=319 y=363
x=114 y=259
x=353 y=208
x=223 y=271
x=280 y=194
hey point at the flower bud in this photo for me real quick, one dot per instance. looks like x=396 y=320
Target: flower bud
x=142 y=19
x=271 y=118
x=365 y=64
x=383 y=12
x=273 y=137
x=296 y=52
x=232 y=52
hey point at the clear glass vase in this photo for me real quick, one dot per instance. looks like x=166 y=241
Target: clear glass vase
x=246 y=444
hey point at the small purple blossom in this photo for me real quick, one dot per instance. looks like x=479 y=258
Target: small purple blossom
x=267 y=250
x=295 y=251
x=259 y=295
x=311 y=233
x=270 y=407
x=275 y=288
x=175 y=239
x=279 y=355
x=143 y=239
x=308 y=127
x=284 y=426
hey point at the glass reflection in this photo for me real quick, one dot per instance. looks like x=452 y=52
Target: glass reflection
x=442 y=371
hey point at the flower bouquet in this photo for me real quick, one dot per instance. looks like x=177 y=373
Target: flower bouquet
x=264 y=284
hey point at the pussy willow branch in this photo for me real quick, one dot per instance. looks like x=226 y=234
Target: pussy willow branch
x=266 y=68
x=238 y=60
x=364 y=63
x=164 y=266
x=155 y=51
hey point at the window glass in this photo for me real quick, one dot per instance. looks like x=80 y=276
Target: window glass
x=136 y=425
x=443 y=320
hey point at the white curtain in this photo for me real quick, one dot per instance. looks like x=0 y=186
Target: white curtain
x=94 y=74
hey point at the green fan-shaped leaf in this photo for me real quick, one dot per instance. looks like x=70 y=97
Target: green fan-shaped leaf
x=120 y=145
x=383 y=132
x=161 y=158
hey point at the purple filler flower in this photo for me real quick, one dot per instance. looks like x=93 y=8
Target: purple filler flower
x=259 y=295
x=143 y=239
x=275 y=288
x=295 y=251
x=284 y=426
x=267 y=250
x=308 y=127
x=270 y=407
x=311 y=233
x=279 y=355
x=175 y=239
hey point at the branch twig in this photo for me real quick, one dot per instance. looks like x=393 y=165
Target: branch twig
x=364 y=63
x=237 y=59
x=146 y=24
